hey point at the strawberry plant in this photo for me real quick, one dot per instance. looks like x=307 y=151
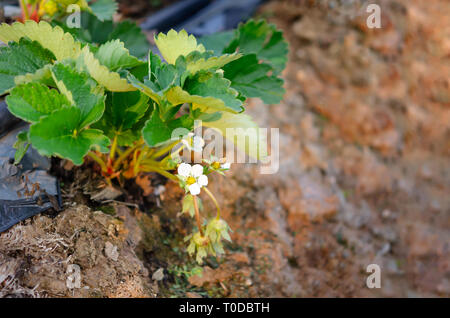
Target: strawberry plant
x=92 y=98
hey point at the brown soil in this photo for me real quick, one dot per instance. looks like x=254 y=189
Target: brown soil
x=364 y=179
x=35 y=256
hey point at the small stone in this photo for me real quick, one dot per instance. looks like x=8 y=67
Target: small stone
x=387 y=214
x=108 y=193
x=384 y=250
x=158 y=275
x=159 y=190
x=111 y=251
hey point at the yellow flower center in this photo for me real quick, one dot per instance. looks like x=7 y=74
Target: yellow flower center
x=49 y=7
x=190 y=180
x=216 y=165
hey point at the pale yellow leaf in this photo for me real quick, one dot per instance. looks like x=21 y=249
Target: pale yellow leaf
x=110 y=80
x=61 y=44
x=173 y=44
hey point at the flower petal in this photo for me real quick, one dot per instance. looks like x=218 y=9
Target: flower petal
x=202 y=180
x=197 y=170
x=194 y=189
x=226 y=165
x=184 y=169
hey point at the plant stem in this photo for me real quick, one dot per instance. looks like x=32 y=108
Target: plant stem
x=165 y=149
x=112 y=153
x=197 y=216
x=151 y=162
x=138 y=161
x=152 y=168
x=209 y=193
x=98 y=160
x=125 y=155
x=25 y=13
x=119 y=151
x=170 y=154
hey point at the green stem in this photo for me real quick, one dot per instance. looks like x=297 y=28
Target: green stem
x=26 y=14
x=125 y=155
x=197 y=216
x=164 y=161
x=215 y=202
x=151 y=162
x=165 y=149
x=112 y=153
x=152 y=168
x=98 y=160
x=138 y=161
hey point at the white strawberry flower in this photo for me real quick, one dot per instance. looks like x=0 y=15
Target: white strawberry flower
x=218 y=164
x=193 y=177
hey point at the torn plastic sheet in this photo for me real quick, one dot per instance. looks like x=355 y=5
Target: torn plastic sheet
x=26 y=189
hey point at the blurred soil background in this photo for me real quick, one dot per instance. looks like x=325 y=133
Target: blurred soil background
x=364 y=179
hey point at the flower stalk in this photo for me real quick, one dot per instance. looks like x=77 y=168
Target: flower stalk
x=209 y=193
x=197 y=216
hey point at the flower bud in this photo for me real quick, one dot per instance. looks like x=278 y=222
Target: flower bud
x=200 y=240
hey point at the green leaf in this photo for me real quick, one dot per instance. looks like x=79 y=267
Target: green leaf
x=94 y=31
x=33 y=100
x=217 y=42
x=174 y=44
x=122 y=116
x=104 y=9
x=128 y=108
x=21 y=145
x=42 y=75
x=157 y=131
x=197 y=61
x=188 y=204
x=133 y=37
x=148 y=88
x=262 y=39
x=114 y=56
x=208 y=91
x=110 y=80
x=251 y=79
x=21 y=59
x=166 y=76
x=162 y=76
x=59 y=134
x=154 y=62
x=81 y=91
x=140 y=71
